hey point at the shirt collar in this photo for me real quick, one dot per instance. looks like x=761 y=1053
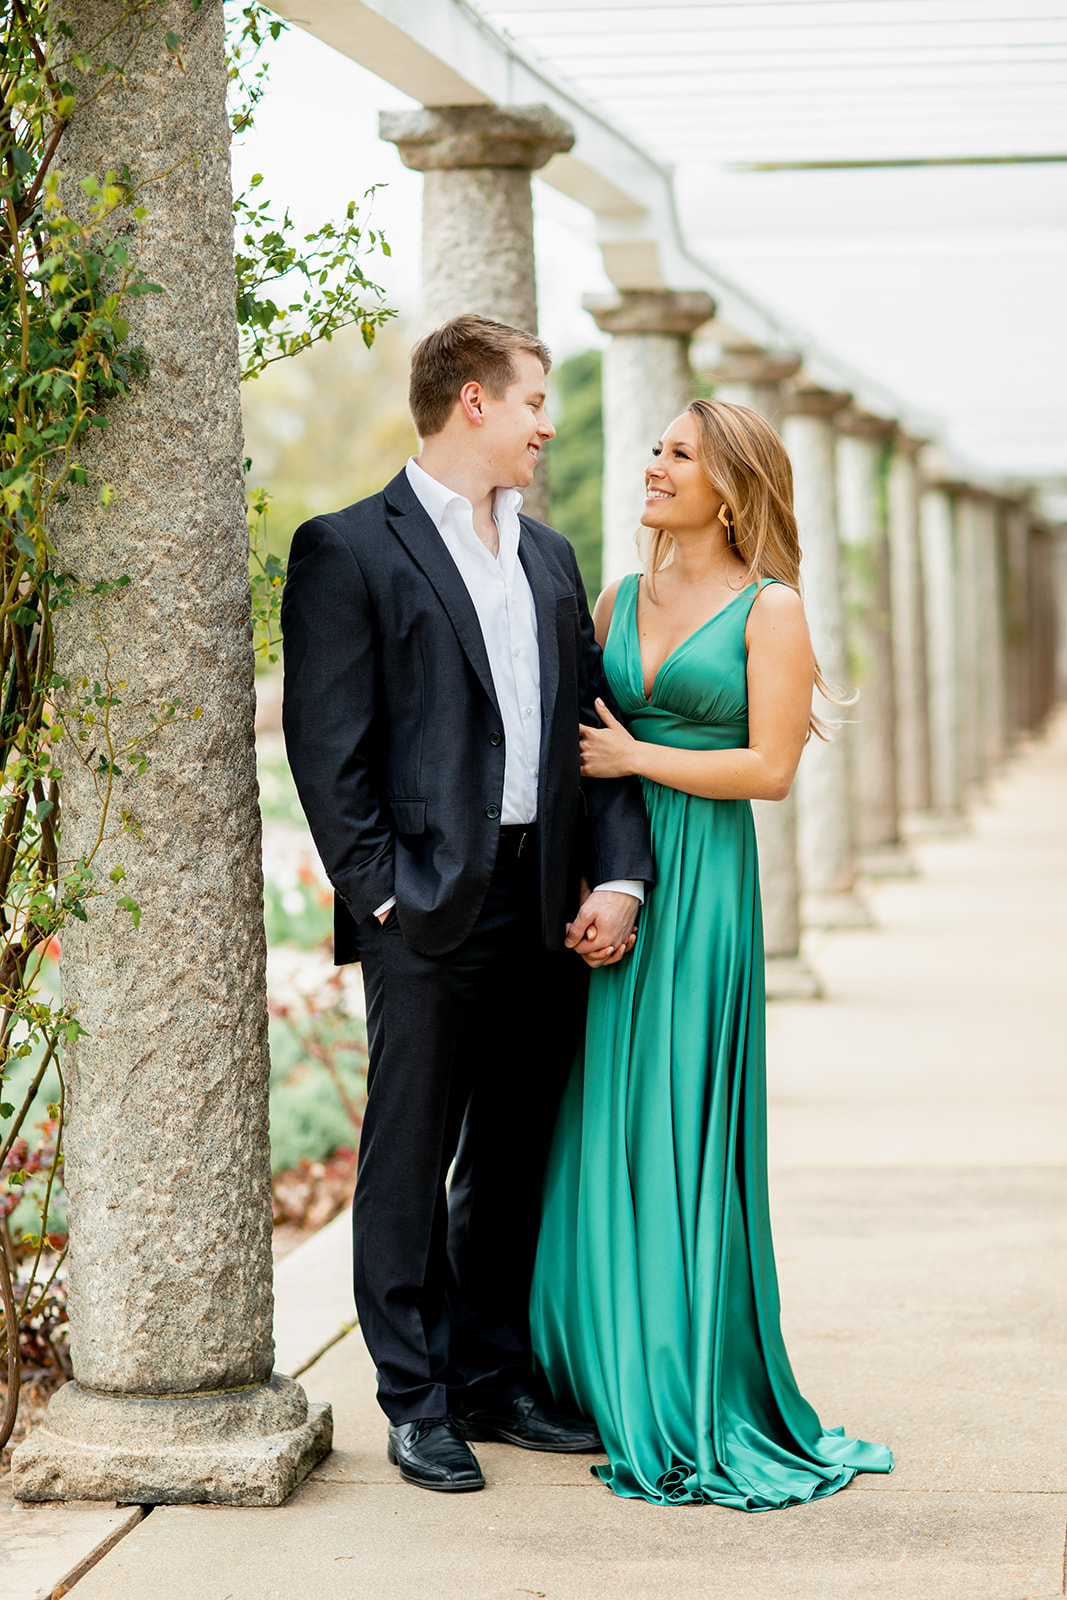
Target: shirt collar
x=436 y=497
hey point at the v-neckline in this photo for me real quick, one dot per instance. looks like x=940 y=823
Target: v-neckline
x=647 y=698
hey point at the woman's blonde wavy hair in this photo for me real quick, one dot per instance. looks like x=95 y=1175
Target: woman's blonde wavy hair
x=745 y=462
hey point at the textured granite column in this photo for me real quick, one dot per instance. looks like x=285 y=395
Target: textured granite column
x=754 y=378
x=646 y=383
x=909 y=628
x=824 y=787
x=937 y=527
x=477 y=213
x=862 y=471
x=167 y=1150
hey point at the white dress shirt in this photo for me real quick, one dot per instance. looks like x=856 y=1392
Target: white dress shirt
x=503 y=600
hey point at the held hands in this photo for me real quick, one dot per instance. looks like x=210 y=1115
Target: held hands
x=603 y=931
x=607 y=752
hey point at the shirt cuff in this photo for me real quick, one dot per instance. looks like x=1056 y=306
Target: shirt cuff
x=632 y=886
x=386 y=905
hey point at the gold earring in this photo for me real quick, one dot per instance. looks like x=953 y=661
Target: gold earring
x=725 y=518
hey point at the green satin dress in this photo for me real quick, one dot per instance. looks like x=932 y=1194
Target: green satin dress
x=655 y=1298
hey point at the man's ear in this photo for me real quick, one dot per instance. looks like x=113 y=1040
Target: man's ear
x=472 y=403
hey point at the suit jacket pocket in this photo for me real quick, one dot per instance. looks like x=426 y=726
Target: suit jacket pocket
x=409 y=815
x=566 y=605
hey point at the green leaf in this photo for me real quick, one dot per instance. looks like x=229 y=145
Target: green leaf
x=6 y=1109
x=129 y=904
x=73 y=1031
x=117 y=873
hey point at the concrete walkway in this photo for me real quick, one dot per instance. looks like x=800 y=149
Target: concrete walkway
x=919 y=1141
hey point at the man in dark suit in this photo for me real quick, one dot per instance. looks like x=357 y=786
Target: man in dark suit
x=439 y=656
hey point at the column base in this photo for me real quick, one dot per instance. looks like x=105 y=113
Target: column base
x=790 y=978
x=238 y=1448
x=839 y=909
x=887 y=861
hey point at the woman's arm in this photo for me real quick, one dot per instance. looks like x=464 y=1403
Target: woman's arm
x=781 y=672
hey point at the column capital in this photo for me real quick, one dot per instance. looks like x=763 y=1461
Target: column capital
x=526 y=137
x=865 y=425
x=810 y=400
x=669 y=311
x=754 y=366
x=907 y=444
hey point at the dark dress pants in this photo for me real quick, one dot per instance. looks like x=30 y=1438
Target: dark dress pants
x=468 y=1055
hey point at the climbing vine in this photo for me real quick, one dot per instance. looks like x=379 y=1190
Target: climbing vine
x=70 y=248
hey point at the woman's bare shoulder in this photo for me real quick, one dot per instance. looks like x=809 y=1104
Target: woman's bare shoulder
x=604 y=610
x=777 y=602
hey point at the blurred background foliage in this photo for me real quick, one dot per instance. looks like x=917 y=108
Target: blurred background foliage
x=331 y=426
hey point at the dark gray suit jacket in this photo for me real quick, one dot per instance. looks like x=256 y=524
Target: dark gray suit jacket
x=395 y=737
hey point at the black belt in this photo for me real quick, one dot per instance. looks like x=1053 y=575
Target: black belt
x=517 y=840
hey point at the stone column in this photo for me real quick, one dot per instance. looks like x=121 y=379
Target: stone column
x=646 y=383
x=167 y=1143
x=971 y=642
x=862 y=445
x=824 y=788
x=993 y=659
x=1059 y=608
x=477 y=213
x=1017 y=617
x=1042 y=624
x=909 y=628
x=937 y=526
x=754 y=378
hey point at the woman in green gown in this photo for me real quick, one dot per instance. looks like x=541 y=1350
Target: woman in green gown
x=655 y=1301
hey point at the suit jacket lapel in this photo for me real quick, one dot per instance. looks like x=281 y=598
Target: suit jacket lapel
x=545 y=598
x=409 y=521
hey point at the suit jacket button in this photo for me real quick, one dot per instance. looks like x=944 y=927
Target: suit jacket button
x=492 y=812
x=496 y=738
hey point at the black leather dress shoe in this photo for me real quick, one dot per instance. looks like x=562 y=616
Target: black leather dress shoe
x=523 y=1422
x=433 y=1453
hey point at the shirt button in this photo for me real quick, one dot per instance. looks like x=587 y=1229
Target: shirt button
x=492 y=812
x=528 y=711
x=496 y=738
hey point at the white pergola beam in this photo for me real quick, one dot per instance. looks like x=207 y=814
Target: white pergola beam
x=441 y=52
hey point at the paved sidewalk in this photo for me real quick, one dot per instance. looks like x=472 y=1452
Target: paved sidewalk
x=919 y=1142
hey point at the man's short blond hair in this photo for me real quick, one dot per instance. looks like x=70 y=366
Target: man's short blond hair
x=469 y=349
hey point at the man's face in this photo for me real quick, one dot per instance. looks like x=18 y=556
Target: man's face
x=516 y=426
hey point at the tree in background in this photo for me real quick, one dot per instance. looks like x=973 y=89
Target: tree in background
x=576 y=458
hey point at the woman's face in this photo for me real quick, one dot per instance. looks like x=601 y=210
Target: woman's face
x=677 y=494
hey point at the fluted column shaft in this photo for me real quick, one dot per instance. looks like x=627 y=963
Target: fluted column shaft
x=647 y=382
